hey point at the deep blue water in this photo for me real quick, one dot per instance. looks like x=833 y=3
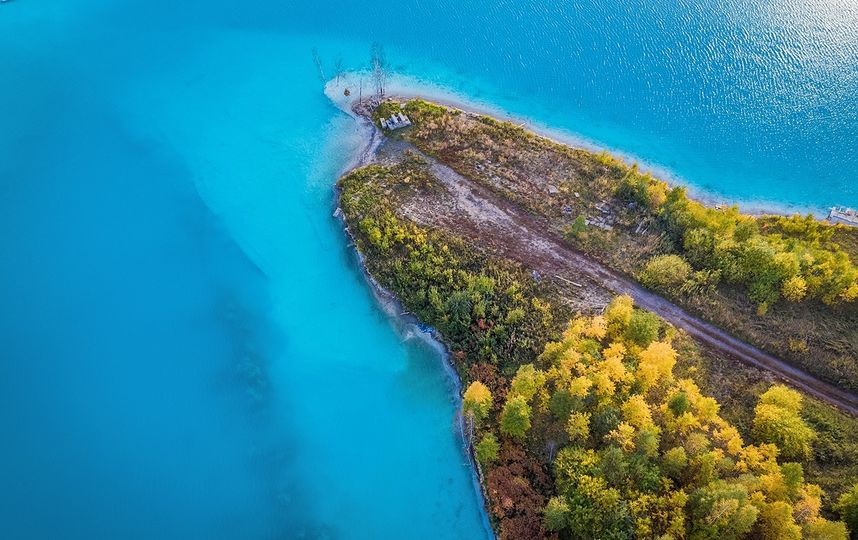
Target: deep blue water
x=188 y=347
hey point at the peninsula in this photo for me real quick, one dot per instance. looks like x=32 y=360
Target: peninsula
x=597 y=317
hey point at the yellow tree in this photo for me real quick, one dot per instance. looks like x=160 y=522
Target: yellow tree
x=656 y=364
x=477 y=401
x=777 y=421
x=619 y=313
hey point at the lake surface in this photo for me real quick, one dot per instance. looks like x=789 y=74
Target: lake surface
x=190 y=349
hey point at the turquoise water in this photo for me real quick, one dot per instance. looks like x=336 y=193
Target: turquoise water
x=189 y=348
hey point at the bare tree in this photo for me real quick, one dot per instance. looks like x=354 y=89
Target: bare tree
x=379 y=68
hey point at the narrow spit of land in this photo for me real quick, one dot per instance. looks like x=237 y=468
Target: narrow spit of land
x=497 y=224
x=589 y=416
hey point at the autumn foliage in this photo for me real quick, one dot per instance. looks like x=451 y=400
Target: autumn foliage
x=586 y=431
x=639 y=453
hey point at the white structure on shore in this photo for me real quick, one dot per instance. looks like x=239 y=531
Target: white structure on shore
x=396 y=121
x=841 y=214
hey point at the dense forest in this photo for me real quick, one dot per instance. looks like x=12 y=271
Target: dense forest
x=642 y=454
x=580 y=423
x=792 y=258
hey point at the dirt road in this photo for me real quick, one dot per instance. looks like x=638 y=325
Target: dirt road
x=496 y=224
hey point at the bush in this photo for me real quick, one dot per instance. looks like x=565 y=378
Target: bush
x=782 y=396
x=642 y=189
x=794 y=289
x=665 y=273
x=576 y=228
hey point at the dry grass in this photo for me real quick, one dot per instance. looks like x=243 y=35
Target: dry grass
x=559 y=184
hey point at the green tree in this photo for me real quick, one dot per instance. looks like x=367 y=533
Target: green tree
x=643 y=328
x=562 y=404
x=760 y=270
x=679 y=403
x=614 y=466
x=746 y=229
x=556 y=514
x=515 y=418
x=777 y=421
x=793 y=478
x=487 y=449
x=597 y=511
x=527 y=381
x=699 y=247
x=674 y=462
x=458 y=309
x=722 y=510
x=847 y=507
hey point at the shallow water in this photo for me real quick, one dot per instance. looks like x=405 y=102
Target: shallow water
x=189 y=348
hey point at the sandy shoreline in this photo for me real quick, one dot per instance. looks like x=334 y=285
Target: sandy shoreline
x=403 y=87
x=407 y=324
